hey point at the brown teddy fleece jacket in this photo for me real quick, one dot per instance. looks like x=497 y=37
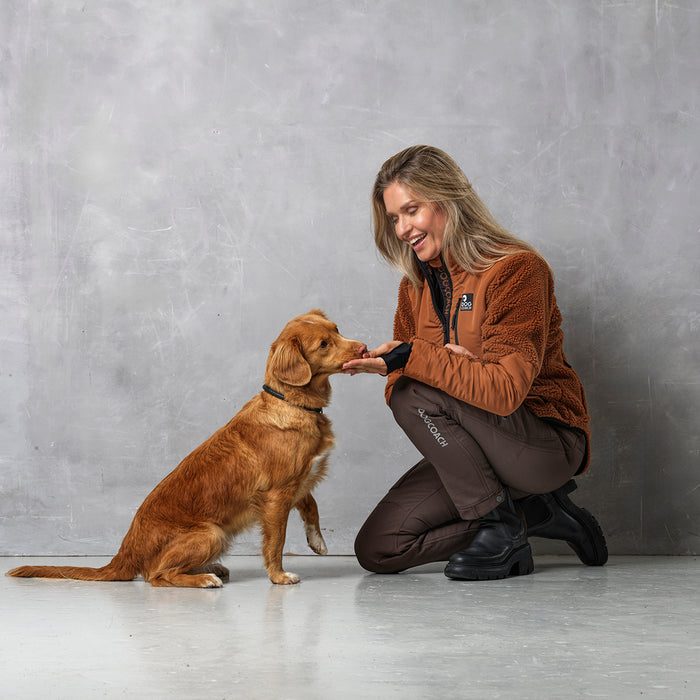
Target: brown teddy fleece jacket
x=508 y=317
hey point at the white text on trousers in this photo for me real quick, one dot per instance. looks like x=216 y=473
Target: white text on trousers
x=432 y=428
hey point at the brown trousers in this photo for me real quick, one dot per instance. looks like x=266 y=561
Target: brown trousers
x=470 y=455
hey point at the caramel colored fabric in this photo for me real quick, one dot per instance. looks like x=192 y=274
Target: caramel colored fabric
x=508 y=317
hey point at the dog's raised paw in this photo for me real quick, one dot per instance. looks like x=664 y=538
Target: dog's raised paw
x=316 y=543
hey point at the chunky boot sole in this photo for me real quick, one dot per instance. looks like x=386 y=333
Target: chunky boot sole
x=518 y=563
x=597 y=552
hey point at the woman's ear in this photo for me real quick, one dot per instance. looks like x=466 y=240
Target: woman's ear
x=288 y=364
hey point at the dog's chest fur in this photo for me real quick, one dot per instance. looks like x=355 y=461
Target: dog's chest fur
x=318 y=464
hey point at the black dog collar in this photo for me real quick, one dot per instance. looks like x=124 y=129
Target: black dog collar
x=277 y=395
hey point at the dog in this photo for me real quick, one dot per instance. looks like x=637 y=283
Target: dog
x=255 y=469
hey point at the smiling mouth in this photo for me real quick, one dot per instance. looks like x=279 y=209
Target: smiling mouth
x=414 y=241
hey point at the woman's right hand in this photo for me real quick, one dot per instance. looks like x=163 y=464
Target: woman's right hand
x=371 y=362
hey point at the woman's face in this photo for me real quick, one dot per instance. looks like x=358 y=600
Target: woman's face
x=418 y=224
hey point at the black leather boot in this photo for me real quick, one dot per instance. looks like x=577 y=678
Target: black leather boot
x=554 y=516
x=499 y=548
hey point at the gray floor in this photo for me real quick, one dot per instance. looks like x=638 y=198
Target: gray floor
x=628 y=630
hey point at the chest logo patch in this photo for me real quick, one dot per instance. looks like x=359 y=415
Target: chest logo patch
x=467 y=302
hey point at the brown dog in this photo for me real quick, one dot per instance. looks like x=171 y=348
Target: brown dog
x=256 y=468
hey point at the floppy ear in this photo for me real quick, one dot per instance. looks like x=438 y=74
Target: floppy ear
x=288 y=364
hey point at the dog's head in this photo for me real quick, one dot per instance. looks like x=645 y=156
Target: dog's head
x=309 y=349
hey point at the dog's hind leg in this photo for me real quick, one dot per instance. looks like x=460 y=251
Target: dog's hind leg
x=215 y=568
x=309 y=514
x=184 y=561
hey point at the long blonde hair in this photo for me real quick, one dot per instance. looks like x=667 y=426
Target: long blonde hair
x=475 y=239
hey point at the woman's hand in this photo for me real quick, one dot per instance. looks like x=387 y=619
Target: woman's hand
x=459 y=350
x=371 y=362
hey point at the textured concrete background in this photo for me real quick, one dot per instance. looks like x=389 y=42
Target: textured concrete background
x=178 y=179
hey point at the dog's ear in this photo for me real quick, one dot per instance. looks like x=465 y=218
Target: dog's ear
x=289 y=365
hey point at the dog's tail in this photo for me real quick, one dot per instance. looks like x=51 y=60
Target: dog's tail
x=119 y=569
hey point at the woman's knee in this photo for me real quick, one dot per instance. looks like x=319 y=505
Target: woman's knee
x=368 y=553
x=374 y=547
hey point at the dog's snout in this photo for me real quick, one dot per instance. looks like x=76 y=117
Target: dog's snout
x=361 y=349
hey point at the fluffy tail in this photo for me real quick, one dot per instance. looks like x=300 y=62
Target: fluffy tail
x=117 y=570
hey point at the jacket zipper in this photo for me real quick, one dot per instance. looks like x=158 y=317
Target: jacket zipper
x=436 y=296
x=454 y=321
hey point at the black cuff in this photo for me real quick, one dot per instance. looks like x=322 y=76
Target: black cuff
x=398 y=357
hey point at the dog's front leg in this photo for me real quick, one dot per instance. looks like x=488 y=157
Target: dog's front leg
x=274 y=530
x=309 y=514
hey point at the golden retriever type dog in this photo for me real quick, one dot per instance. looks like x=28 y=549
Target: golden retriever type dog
x=255 y=469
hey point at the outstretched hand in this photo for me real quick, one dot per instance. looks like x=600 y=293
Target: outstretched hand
x=371 y=362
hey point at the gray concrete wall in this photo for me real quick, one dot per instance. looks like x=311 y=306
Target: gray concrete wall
x=180 y=178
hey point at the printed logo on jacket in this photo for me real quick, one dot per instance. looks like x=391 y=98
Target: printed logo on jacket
x=467 y=302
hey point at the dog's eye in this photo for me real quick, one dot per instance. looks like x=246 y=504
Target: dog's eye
x=324 y=344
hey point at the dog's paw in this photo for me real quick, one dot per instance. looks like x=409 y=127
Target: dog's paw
x=317 y=544
x=210 y=581
x=285 y=578
x=321 y=549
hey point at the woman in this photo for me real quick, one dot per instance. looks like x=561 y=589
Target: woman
x=478 y=380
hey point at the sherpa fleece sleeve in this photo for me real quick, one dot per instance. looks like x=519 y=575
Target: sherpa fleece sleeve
x=404 y=329
x=518 y=303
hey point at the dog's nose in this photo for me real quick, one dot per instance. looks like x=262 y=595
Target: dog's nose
x=361 y=350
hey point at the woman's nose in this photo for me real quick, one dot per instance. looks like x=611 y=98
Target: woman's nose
x=402 y=227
